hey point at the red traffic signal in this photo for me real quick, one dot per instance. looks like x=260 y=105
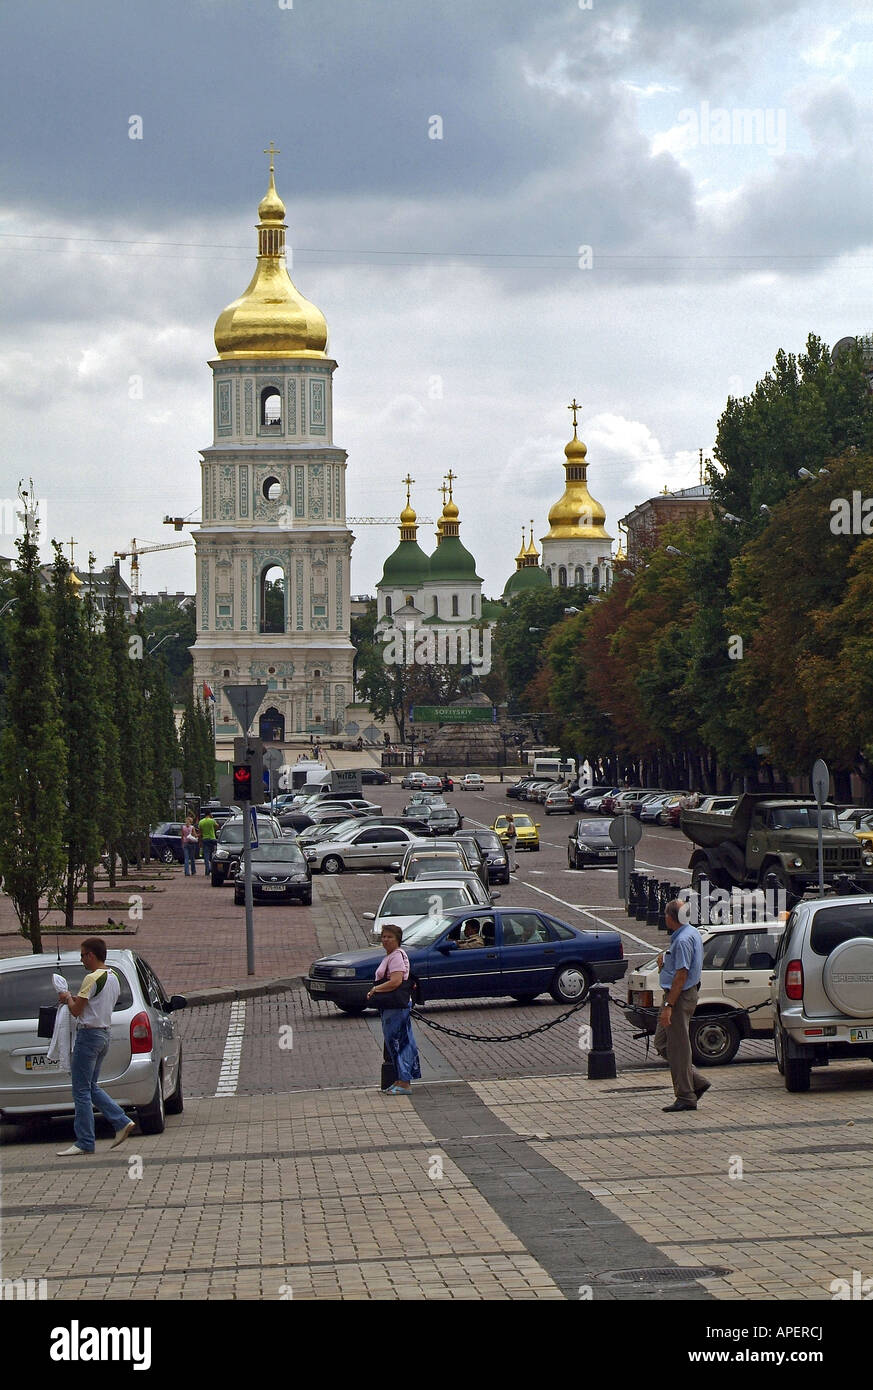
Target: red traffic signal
x=242 y=782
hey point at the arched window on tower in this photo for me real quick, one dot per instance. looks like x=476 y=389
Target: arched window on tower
x=388 y=606
x=595 y=579
x=562 y=578
x=436 y=606
x=271 y=408
x=456 y=611
x=473 y=604
x=272 y=599
x=580 y=576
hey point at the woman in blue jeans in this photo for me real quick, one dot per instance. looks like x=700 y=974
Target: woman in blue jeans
x=92 y=1008
x=391 y=994
x=190 y=846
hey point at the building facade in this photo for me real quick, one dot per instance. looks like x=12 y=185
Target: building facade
x=273 y=548
x=646 y=522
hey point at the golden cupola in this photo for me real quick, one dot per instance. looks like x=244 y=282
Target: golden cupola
x=271 y=319
x=576 y=515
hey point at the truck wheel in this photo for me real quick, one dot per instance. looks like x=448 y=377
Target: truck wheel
x=714 y=1040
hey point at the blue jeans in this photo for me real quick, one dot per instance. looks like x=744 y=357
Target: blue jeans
x=208 y=849
x=400 y=1043
x=190 y=852
x=90 y=1047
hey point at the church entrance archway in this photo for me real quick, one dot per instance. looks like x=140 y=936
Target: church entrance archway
x=271 y=727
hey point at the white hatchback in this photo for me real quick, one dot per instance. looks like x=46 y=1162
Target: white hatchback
x=738 y=963
x=406 y=903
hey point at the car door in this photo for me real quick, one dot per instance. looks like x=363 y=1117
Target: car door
x=164 y=1029
x=528 y=953
x=469 y=972
x=390 y=847
x=361 y=851
x=746 y=986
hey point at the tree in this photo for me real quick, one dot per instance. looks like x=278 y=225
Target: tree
x=124 y=649
x=80 y=716
x=162 y=620
x=32 y=752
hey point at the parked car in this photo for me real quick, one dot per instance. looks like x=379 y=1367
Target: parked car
x=718 y=805
x=165 y=842
x=492 y=851
x=589 y=843
x=650 y=811
x=374 y=776
x=636 y=807
x=738 y=964
x=447 y=782
x=405 y=903
x=527 y=831
x=823 y=987
x=370 y=847
x=280 y=873
x=473 y=782
x=142 y=1070
x=558 y=800
x=526 y=953
x=229 y=846
x=421 y=858
x=624 y=802
x=672 y=809
x=515 y=790
x=442 y=820
x=421 y=781
x=851 y=817
x=583 y=795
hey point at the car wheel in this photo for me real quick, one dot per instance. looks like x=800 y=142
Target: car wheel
x=535 y=848
x=175 y=1104
x=167 y=856
x=151 y=1116
x=570 y=984
x=779 y=1048
x=307 y=902
x=524 y=998
x=332 y=865
x=714 y=1040
x=571 y=863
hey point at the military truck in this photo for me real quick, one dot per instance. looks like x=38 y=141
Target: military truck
x=772 y=843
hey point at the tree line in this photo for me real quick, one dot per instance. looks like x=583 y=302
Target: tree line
x=88 y=738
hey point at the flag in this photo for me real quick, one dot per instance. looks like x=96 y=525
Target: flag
x=208 y=692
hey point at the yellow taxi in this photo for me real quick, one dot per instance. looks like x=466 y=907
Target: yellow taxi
x=864 y=832
x=527 y=831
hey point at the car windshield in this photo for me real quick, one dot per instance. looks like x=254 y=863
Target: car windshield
x=422 y=902
x=425 y=931
x=285 y=853
x=803 y=818
x=231 y=834
x=522 y=820
x=435 y=863
x=487 y=839
x=593 y=829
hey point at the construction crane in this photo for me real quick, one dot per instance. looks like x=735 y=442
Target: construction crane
x=134 y=553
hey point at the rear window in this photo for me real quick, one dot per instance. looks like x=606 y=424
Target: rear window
x=24 y=992
x=833 y=925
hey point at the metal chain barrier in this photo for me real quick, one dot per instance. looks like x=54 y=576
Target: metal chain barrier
x=655 y=1009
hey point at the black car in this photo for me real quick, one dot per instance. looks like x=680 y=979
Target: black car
x=279 y=873
x=228 y=847
x=165 y=842
x=374 y=775
x=491 y=850
x=441 y=820
x=589 y=843
x=514 y=791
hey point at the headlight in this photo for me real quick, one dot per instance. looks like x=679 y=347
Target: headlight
x=798 y=863
x=309 y=853
x=868 y=860
x=221 y=854
x=343 y=972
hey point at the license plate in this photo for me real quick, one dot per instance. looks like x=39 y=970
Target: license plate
x=864 y=1035
x=272 y=888
x=605 y=853
x=318 y=986
x=35 y=1060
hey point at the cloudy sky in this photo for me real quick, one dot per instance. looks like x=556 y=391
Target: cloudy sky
x=716 y=156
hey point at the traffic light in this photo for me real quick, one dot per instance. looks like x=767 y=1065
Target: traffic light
x=242 y=782
x=251 y=752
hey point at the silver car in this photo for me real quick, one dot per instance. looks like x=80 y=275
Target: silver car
x=142 y=1069
x=370 y=847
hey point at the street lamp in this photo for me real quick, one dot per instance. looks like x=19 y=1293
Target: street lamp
x=671 y=550
x=8 y=604
x=568 y=612
x=764 y=508
x=153 y=649
x=734 y=520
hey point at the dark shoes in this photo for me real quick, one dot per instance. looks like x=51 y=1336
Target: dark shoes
x=699 y=1090
x=678 y=1105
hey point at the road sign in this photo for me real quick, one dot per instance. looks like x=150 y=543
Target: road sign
x=245 y=700
x=254 y=821
x=821 y=781
x=176 y=774
x=453 y=714
x=625 y=831
x=274 y=758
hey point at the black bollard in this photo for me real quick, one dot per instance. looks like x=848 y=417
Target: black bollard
x=633 y=894
x=642 y=898
x=601 y=1058
x=665 y=890
x=652 y=902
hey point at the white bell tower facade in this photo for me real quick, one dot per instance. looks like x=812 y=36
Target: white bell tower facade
x=273 y=548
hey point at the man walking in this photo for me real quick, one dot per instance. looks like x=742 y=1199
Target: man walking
x=92 y=1007
x=680 y=967
x=208 y=835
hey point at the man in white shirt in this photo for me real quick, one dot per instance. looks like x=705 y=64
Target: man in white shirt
x=92 y=1006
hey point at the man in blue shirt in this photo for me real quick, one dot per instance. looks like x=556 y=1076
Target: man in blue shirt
x=680 y=967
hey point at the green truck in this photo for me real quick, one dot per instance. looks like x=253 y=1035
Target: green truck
x=771 y=842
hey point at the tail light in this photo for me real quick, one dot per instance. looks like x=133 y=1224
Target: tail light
x=141 y=1033
x=621 y=950
x=794 y=979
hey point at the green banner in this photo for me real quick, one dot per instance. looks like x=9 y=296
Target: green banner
x=452 y=714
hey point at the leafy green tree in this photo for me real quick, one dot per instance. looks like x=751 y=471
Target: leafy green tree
x=159 y=623
x=32 y=752
x=124 y=655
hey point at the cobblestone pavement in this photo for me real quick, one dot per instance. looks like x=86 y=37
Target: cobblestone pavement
x=507 y=1174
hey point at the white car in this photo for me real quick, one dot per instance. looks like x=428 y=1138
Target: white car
x=738 y=962
x=405 y=903
x=472 y=782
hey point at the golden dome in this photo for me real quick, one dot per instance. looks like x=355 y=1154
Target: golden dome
x=576 y=515
x=519 y=559
x=271 y=319
x=450 y=511
x=407 y=516
x=530 y=549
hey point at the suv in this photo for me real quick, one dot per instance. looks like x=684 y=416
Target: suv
x=228 y=847
x=823 y=987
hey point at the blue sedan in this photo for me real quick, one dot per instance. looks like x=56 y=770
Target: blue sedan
x=525 y=953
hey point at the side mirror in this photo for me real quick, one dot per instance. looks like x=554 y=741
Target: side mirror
x=369 y=916
x=176 y=1002
x=395 y=865
x=494 y=897
x=445 y=948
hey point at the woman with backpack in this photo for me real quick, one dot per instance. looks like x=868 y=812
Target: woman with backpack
x=392 y=996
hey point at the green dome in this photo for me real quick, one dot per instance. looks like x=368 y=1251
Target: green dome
x=531 y=577
x=452 y=561
x=407 y=567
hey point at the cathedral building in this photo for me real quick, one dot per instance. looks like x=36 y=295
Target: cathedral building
x=577 y=548
x=273 y=548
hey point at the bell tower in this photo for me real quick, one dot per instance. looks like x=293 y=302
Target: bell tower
x=273 y=548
